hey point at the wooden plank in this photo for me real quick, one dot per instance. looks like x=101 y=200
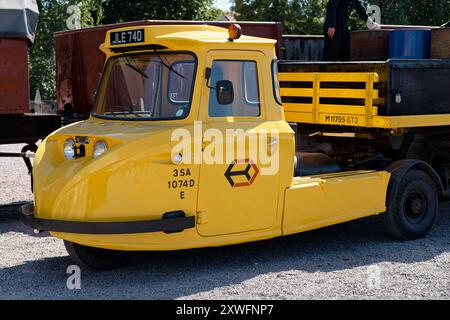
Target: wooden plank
x=347 y=93
x=375 y=94
x=343 y=93
x=297 y=107
x=296 y=76
x=316 y=97
x=346 y=77
x=296 y=92
x=369 y=99
x=343 y=109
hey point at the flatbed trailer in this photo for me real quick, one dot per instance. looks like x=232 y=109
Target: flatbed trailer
x=394 y=94
x=367 y=115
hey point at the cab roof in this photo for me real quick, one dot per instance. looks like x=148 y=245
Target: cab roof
x=182 y=37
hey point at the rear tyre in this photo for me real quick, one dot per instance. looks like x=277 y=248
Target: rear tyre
x=95 y=258
x=412 y=206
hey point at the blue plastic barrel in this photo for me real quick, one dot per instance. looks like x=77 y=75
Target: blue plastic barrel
x=410 y=44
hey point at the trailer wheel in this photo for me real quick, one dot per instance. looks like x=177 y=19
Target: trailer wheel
x=95 y=258
x=412 y=206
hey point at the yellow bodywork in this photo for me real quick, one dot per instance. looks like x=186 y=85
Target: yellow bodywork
x=342 y=197
x=131 y=181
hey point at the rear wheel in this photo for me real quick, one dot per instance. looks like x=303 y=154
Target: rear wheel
x=412 y=206
x=95 y=258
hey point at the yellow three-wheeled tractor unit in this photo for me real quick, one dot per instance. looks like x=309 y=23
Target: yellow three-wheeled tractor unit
x=350 y=140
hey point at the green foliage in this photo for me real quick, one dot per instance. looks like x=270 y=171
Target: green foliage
x=306 y=16
x=407 y=12
x=121 y=11
x=297 y=16
x=53 y=16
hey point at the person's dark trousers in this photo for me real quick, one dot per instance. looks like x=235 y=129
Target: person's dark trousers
x=337 y=48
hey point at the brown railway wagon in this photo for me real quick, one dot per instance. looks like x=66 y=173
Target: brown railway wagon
x=18 y=21
x=79 y=62
x=14 y=95
x=17 y=125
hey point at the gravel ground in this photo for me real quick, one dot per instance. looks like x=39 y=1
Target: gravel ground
x=14 y=178
x=349 y=261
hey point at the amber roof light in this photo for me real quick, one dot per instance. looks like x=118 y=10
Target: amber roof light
x=234 y=32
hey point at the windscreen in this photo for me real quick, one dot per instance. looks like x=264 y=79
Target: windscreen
x=151 y=86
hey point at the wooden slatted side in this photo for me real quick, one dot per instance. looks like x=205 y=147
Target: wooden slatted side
x=355 y=114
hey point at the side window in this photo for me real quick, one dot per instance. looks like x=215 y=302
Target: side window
x=179 y=90
x=244 y=77
x=251 y=93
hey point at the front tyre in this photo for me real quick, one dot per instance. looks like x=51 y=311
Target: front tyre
x=94 y=258
x=412 y=206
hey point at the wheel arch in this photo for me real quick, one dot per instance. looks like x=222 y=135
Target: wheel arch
x=399 y=168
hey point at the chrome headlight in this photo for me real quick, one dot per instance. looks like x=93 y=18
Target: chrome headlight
x=69 y=151
x=100 y=148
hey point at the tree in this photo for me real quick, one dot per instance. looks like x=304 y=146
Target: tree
x=53 y=16
x=423 y=12
x=297 y=16
x=306 y=16
x=121 y=11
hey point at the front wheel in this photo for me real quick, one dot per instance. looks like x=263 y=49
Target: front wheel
x=95 y=258
x=412 y=206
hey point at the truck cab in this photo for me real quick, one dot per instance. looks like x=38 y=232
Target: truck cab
x=187 y=146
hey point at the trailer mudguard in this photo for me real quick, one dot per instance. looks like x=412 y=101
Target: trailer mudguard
x=399 y=168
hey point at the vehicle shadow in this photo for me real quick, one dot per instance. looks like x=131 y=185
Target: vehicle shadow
x=10 y=211
x=171 y=275
x=10 y=215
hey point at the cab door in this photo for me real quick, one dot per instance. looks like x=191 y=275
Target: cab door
x=236 y=194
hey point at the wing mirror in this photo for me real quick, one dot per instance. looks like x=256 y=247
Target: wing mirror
x=224 y=92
